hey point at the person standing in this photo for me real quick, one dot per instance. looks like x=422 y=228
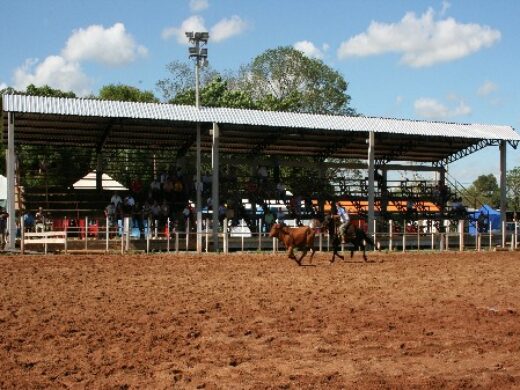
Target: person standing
x=39 y=220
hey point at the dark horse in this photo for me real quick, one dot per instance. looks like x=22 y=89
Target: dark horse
x=354 y=236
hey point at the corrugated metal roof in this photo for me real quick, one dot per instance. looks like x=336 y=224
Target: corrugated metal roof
x=170 y=112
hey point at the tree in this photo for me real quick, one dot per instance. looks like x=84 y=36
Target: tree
x=285 y=79
x=182 y=81
x=216 y=93
x=45 y=90
x=513 y=188
x=127 y=93
x=484 y=190
x=40 y=164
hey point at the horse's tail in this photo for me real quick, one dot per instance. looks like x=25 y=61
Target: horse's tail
x=367 y=238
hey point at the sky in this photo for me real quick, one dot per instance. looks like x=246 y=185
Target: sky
x=452 y=61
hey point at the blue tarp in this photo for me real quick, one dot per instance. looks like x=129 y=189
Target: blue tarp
x=486 y=216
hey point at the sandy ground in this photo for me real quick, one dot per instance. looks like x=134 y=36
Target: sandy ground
x=446 y=320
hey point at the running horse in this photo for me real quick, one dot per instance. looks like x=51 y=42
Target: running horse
x=295 y=238
x=357 y=238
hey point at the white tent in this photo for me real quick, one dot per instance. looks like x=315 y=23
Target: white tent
x=89 y=183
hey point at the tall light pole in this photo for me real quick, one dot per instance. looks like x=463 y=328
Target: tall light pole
x=200 y=54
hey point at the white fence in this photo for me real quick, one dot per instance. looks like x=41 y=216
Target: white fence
x=123 y=236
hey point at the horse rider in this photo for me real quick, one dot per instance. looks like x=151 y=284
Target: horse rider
x=344 y=219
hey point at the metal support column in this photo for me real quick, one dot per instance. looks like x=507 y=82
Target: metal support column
x=215 y=184
x=198 y=186
x=11 y=181
x=371 y=142
x=99 y=172
x=503 y=198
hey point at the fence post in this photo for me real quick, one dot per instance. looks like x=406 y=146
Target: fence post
x=187 y=232
x=275 y=245
x=22 y=235
x=242 y=223
x=404 y=235
x=206 y=235
x=225 y=235
x=127 y=233
x=390 y=235
x=168 y=235
x=259 y=234
x=375 y=235
x=516 y=234
x=418 y=235
x=320 y=241
x=122 y=237
x=461 y=235
x=107 y=232
x=148 y=241
x=503 y=234
x=328 y=242
x=86 y=233
x=490 y=234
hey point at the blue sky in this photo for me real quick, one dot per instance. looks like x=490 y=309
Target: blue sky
x=454 y=61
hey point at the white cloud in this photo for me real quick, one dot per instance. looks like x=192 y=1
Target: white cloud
x=227 y=28
x=224 y=29
x=487 y=88
x=432 y=109
x=54 y=71
x=112 y=46
x=310 y=50
x=198 y=5
x=3 y=86
x=399 y=100
x=193 y=23
x=422 y=41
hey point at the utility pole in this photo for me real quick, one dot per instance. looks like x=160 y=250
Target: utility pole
x=200 y=54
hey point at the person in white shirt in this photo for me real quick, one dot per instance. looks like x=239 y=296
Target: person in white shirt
x=344 y=219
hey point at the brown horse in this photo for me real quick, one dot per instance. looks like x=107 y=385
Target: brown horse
x=295 y=238
x=357 y=238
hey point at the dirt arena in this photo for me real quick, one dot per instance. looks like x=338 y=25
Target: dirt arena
x=445 y=320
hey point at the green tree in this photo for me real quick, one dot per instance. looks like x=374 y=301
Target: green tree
x=484 y=190
x=127 y=93
x=44 y=165
x=513 y=188
x=285 y=79
x=216 y=93
x=182 y=82
x=45 y=90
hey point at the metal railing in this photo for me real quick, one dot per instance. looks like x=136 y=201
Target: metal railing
x=125 y=235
